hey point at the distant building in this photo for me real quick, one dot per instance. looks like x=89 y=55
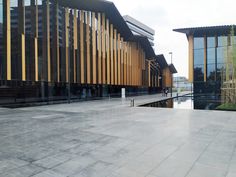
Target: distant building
x=210 y=54
x=62 y=50
x=182 y=83
x=138 y=28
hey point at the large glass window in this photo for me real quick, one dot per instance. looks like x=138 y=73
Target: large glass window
x=222 y=41
x=210 y=55
x=198 y=43
x=211 y=42
x=198 y=73
x=1 y=39
x=222 y=54
x=211 y=72
x=198 y=57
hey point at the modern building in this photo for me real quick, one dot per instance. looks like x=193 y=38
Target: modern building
x=182 y=83
x=57 y=50
x=138 y=28
x=212 y=59
x=166 y=72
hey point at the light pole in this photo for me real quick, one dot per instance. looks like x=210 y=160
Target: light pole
x=171 y=57
x=171 y=84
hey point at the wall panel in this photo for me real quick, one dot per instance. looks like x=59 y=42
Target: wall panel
x=116 y=52
x=99 y=49
x=82 y=75
x=108 y=52
x=88 y=63
x=94 y=48
x=103 y=49
x=112 y=56
x=119 y=59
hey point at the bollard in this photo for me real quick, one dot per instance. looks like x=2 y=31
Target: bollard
x=132 y=102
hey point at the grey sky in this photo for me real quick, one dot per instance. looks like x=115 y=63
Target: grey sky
x=165 y=15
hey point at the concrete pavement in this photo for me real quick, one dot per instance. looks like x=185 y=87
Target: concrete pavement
x=108 y=138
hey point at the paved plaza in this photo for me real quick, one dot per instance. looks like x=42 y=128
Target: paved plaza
x=108 y=138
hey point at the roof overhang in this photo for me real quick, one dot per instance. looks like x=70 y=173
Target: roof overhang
x=145 y=44
x=208 y=30
x=160 y=59
x=172 y=69
x=101 y=6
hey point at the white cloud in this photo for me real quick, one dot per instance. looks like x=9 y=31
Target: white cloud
x=166 y=15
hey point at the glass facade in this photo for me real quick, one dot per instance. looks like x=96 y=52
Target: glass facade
x=198 y=59
x=213 y=64
x=1 y=39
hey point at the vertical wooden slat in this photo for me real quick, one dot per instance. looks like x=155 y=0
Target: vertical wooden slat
x=124 y=64
x=88 y=19
x=48 y=41
x=75 y=39
x=149 y=73
x=112 y=56
x=34 y=33
x=7 y=39
x=119 y=60
x=23 y=57
x=108 y=52
x=55 y=50
x=191 y=73
x=82 y=46
x=115 y=57
x=21 y=35
x=103 y=49
x=205 y=58
x=99 y=50
x=129 y=63
x=94 y=48
x=67 y=42
x=46 y=68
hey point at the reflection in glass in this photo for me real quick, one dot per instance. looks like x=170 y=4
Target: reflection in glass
x=1 y=39
x=211 y=55
x=211 y=42
x=198 y=43
x=211 y=72
x=198 y=57
x=222 y=41
x=199 y=73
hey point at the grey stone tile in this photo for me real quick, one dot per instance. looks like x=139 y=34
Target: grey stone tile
x=202 y=170
x=73 y=166
x=97 y=169
x=81 y=139
x=9 y=164
x=187 y=155
x=215 y=159
x=24 y=171
x=49 y=173
x=172 y=167
x=54 y=160
x=231 y=174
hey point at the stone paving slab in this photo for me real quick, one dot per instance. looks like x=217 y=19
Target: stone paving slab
x=112 y=139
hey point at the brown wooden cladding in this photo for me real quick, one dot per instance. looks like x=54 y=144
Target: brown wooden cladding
x=191 y=73
x=93 y=51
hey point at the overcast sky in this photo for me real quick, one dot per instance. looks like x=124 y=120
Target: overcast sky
x=165 y=15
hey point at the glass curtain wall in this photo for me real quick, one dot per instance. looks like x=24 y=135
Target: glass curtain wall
x=211 y=59
x=1 y=40
x=198 y=59
x=222 y=57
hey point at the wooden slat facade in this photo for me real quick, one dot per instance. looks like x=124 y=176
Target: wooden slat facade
x=93 y=50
